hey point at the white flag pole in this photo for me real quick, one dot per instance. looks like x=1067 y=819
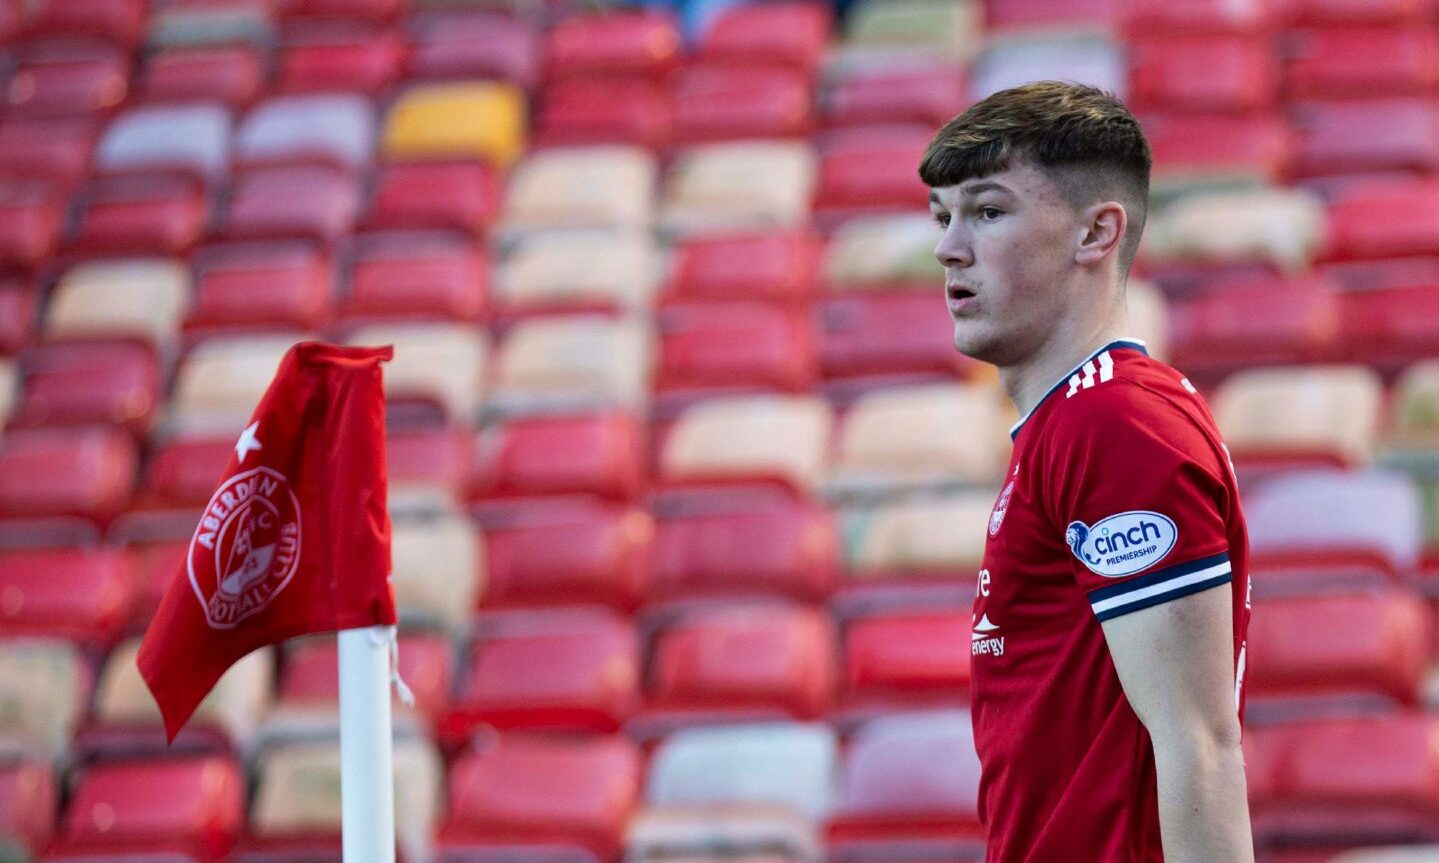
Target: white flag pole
x=367 y=792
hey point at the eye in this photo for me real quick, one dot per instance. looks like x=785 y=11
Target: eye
x=989 y=214
x=942 y=219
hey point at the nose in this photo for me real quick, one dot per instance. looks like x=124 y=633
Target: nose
x=953 y=249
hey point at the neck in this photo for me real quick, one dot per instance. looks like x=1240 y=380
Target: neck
x=1029 y=380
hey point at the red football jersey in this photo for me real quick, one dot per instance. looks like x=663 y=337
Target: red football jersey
x=1119 y=496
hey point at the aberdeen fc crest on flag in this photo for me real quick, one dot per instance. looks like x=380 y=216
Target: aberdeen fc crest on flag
x=295 y=539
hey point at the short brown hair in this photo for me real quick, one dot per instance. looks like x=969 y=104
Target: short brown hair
x=1081 y=136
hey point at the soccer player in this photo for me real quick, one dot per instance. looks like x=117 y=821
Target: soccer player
x=1109 y=624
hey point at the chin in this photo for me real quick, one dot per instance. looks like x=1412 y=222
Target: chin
x=978 y=343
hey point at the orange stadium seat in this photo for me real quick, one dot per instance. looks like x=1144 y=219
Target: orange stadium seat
x=902 y=657
x=775 y=547
x=311 y=674
x=1362 y=62
x=29 y=799
x=194 y=805
x=81 y=594
x=1203 y=74
x=67 y=79
x=460 y=194
x=162 y=214
x=32 y=215
x=624 y=43
x=512 y=790
x=781 y=267
x=484 y=120
x=600 y=453
x=84 y=472
x=115 y=383
x=338 y=56
x=715 y=346
x=592 y=672
x=454 y=44
x=569 y=553
x=231 y=75
x=190 y=138
x=261 y=285
x=428 y=275
x=717 y=102
x=793 y=34
x=55 y=149
x=1392 y=134
x=576 y=111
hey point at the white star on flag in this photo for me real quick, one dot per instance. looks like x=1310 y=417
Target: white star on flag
x=247 y=441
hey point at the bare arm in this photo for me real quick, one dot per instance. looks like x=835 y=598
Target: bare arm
x=1176 y=664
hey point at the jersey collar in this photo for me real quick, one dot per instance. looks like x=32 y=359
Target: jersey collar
x=1131 y=344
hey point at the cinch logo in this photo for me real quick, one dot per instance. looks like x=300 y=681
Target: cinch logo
x=1122 y=544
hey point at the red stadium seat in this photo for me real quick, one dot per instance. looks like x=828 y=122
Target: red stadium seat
x=177 y=804
x=1361 y=223
x=928 y=95
x=29 y=799
x=1038 y=15
x=330 y=58
x=783 y=547
x=773 y=659
x=775 y=267
x=312 y=202
x=32 y=213
x=1367 y=136
x=57 y=150
x=183 y=472
x=232 y=75
x=311 y=671
x=454 y=45
x=577 y=112
x=904 y=657
x=1390 y=328
x=84 y=472
x=628 y=43
x=1362 y=63
x=1200 y=146
x=736 y=346
x=587 y=553
x=433 y=458
x=1346 y=13
x=118 y=21
x=1203 y=16
x=870 y=172
x=910 y=784
x=163 y=214
x=1203 y=74
x=19 y=312
x=1241 y=322
x=794 y=33
x=429 y=276
x=888 y=333
x=116 y=383
x=462 y=194
x=67 y=80
x=513 y=789
x=261 y=285
x=1342 y=648
x=373 y=10
x=590 y=679
x=722 y=103
x=154 y=566
x=600 y=454
x=80 y=594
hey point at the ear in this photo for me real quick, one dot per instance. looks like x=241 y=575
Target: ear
x=1102 y=227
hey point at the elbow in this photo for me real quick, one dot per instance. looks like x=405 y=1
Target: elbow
x=1215 y=739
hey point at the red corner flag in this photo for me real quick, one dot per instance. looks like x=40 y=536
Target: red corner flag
x=295 y=540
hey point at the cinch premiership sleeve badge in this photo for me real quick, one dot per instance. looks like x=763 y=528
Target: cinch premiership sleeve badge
x=1122 y=544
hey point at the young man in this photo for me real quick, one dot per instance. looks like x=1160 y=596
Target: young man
x=1108 y=646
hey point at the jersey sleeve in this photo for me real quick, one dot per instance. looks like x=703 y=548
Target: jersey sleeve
x=1141 y=495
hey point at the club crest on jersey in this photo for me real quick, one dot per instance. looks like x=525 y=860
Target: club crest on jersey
x=246 y=547
x=1122 y=544
x=1001 y=507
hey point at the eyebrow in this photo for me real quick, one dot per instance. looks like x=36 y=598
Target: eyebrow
x=972 y=189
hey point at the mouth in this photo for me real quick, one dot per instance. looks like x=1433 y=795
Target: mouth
x=957 y=298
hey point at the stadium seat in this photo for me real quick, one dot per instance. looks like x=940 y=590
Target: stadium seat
x=1204 y=151
x=581 y=112
x=736 y=346
x=66 y=79
x=748 y=439
x=936 y=435
x=1361 y=62
x=428 y=465
x=1321 y=516
x=461 y=194
x=884 y=253
x=1304 y=414
x=1407 y=854
x=455 y=44
x=189 y=25
x=935 y=26
x=29 y=799
x=89 y=383
x=793 y=34
x=420 y=275
x=1280 y=228
x=438 y=570
x=439 y=364
x=910 y=785
x=1371 y=135
x=129 y=298
x=761 y=658
x=311 y=675
x=598 y=453
x=219 y=382
x=182 y=472
x=773 y=548
x=261 y=285
x=591 y=682
x=231 y=75
x=890 y=335
x=1087 y=58
x=194 y=804
x=1006 y=18
x=58 y=150
x=336 y=56
x=1338 y=13
x=581 y=187
x=81 y=594
x=116 y=21
x=81 y=472
x=1359 y=229
x=1216 y=74
x=720 y=102
x=336 y=130
x=788 y=766
x=32 y=216
x=764 y=185
x=1415 y=425
x=1390 y=328
x=1237 y=323
x=154 y=563
x=572 y=362
x=327 y=10
x=514 y=789
x=865 y=172
x=159 y=214
x=297 y=807
x=584 y=553
x=9 y=388
x=906 y=656
x=620 y=272
x=778 y=267
x=46 y=685
x=897 y=540
x=193 y=138
x=425 y=123
x=623 y=43
x=19 y=312
x=1203 y=16
x=929 y=93
x=304 y=201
